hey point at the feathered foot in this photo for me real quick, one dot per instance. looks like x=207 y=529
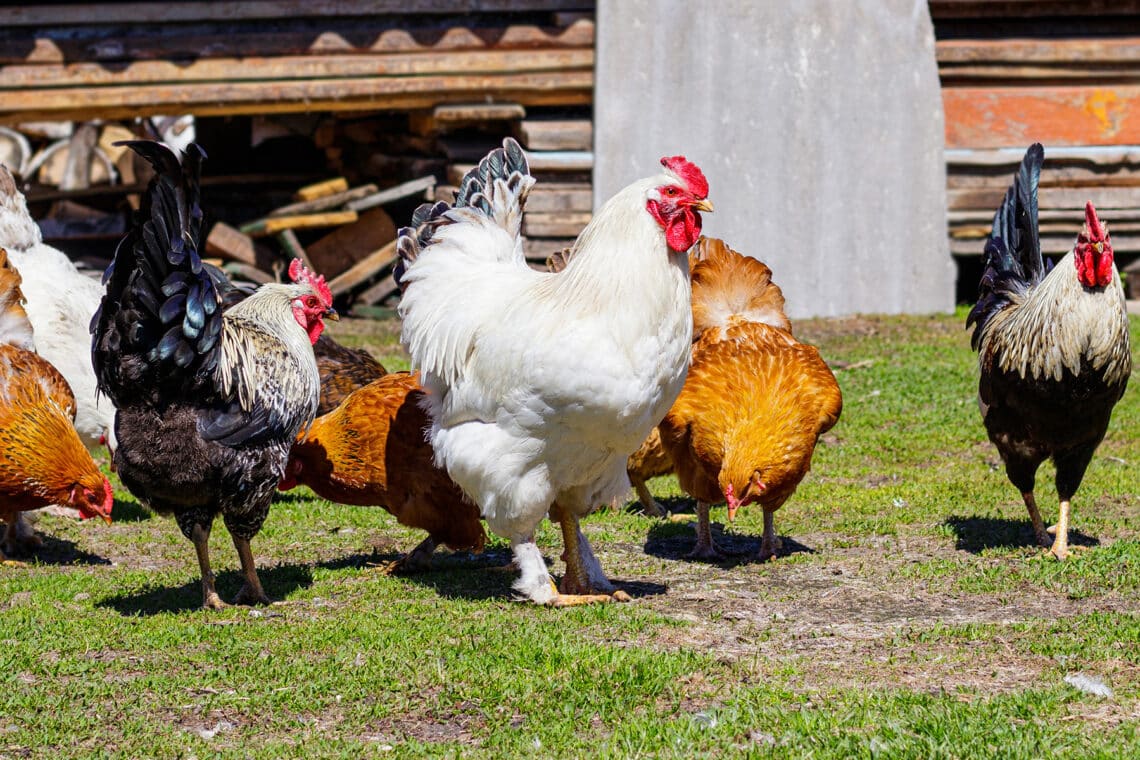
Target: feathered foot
x=418 y=560
x=706 y=548
x=210 y=599
x=1060 y=548
x=251 y=592
x=1039 y=531
x=649 y=505
x=770 y=543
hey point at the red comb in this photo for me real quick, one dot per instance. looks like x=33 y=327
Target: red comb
x=1096 y=230
x=299 y=272
x=689 y=173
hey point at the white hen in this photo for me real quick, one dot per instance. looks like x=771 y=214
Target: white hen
x=60 y=302
x=539 y=384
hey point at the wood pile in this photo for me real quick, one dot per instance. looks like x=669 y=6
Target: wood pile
x=132 y=59
x=1061 y=73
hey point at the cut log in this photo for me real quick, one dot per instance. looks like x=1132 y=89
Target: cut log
x=273 y=225
x=556 y=134
x=364 y=269
x=327 y=202
x=321 y=189
x=340 y=249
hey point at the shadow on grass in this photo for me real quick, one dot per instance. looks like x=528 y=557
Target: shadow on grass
x=976 y=534
x=130 y=512
x=674 y=540
x=59 y=551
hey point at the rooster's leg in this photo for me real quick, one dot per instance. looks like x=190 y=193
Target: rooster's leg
x=416 y=561
x=1035 y=517
x=200 y=535
x=1060 y=548
x=584 y=581
x=770 y=543
x=706 y=548
x=251 y=591
x=649 y=505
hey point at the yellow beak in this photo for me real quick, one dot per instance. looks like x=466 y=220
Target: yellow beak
x=331 y=314
x=703 y=205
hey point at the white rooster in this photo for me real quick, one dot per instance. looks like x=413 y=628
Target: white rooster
x=540 y=385
x=60 y=302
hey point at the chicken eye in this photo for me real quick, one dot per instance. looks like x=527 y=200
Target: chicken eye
x=671 y=191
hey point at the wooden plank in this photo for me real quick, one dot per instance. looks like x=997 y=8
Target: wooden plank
x=363 y=269
x=248 y=272
x=556 y=134
x=229 y=243
x=979 y=117
x=1109 y=156
x=293 y=248
x=1020 y=9
x=553 y=197
x=321 y=189
x=422 y=185
x=343 y=247
x=1023 y=51
x=1049 y=198
x=326 y=203
x=374 y=294
x=1054 y=246
x=233 y=98
x=273 y=225
x=18 y=77
x=554 y=225
x=69 y=14
x=450 y=116
x=561 y=161
x=362 y=36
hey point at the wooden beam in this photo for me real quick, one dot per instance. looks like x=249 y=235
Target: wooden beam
x=363 y=269
x=1023 y=51
x=556 y=134
x=233 y=98
x=326 y=203
x=170 y=12
x=228 y=243
x=289 y=68
x=554 y=225
x=273 y=225
x=556 y=197
x=422 y=185
x=376 y=293
x=978 y=117
x=293 y=248
x=322 y=189
x=339 y=250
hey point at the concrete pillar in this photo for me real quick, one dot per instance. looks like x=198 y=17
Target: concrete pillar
x=818 y=124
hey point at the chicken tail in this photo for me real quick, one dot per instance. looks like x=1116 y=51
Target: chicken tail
x=728 y=285
x=496 y=188
x=1012 y=260
x=18 y=231
x=160 y=320
x=15 y=327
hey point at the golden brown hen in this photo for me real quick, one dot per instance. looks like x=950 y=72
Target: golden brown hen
x=372 y=450
x=42 y=460
x=755 y=401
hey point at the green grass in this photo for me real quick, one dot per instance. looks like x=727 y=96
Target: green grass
x=912 y=618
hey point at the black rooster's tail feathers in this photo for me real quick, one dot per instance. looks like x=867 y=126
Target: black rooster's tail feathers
x=160 y=321
x=507 y=164
x=1011 y=260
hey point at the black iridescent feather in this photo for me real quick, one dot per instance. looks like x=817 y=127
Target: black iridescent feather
x=159 y=325
x=1012 y=260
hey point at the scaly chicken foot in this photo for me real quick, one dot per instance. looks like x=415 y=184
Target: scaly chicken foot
x=649 y=505
x=580 y=585
x=1060 y=547
x=251 y=592
x=200 y=535
x=1039 y=532
x=418 y=560
x=770 y=543
x=19 y=537
x=706 y=548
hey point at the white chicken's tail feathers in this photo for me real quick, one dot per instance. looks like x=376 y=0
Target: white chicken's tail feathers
x=495 y=189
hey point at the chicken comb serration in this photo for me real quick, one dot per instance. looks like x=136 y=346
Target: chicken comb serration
x=299 y=272
x=689 y=173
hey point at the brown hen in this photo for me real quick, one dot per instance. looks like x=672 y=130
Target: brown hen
x=343 y=370
x=755 y=401
x=372 y=450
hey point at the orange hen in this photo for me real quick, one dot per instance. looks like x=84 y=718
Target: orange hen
x=372 y=450
x=755 y=402
x=42 y=460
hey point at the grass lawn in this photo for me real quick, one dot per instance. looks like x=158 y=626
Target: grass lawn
x=910 y=614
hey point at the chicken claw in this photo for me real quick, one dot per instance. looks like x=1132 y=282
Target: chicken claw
x=562 y=599
x=706 y=548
